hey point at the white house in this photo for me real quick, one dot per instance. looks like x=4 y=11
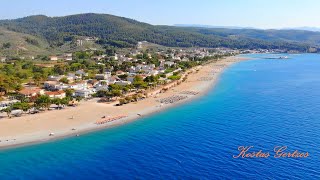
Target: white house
x=185 y=59
x=3 y=59
x=31 y=92
x=55 y=78
x=81 y=73
x=102 y=87
x=177 y=58
x=55 y=85
x=72 y=77
x=104 y=76
x=50 y=85
x=85 y=93
x=122 y=83
x=79 y=85
x=169 y=63
x=54 y=58
x=56 y=94
x=146 y=68
x=68 y=56
x=154 y=72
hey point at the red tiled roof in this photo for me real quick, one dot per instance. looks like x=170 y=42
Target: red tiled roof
x=29 y=91
x=54 y=93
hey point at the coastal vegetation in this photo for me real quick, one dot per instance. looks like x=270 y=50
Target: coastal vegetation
x=18 y=75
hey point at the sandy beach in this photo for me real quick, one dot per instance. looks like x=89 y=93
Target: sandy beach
x=73 y=121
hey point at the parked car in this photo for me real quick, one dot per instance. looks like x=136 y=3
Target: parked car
x=17 y=112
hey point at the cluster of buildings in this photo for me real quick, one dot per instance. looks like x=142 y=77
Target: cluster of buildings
x=55 y=86
x=81 y=41
x=85 y=88
x=65 y=57
x=264 y=51
x=33 y=92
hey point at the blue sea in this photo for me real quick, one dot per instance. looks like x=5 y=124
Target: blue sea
x=262 y=103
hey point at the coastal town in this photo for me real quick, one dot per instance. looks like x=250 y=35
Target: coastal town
x=31 y=86
x=75 y=92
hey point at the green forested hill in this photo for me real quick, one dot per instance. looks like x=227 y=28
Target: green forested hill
x=20 y=43
x=124 y=32
x=268 y=35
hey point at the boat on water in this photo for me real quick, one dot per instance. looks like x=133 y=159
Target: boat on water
x=283 y=57
x=280 y=57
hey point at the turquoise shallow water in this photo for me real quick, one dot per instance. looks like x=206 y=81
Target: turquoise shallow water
x=263 y=103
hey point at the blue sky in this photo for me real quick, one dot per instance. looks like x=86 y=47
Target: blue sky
x=245 y=13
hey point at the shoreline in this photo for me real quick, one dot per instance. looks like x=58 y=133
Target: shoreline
x=35 y=129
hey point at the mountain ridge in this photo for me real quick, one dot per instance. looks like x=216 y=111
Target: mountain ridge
x=125 y=32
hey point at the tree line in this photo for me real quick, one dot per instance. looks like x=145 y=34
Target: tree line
x=123 y=32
